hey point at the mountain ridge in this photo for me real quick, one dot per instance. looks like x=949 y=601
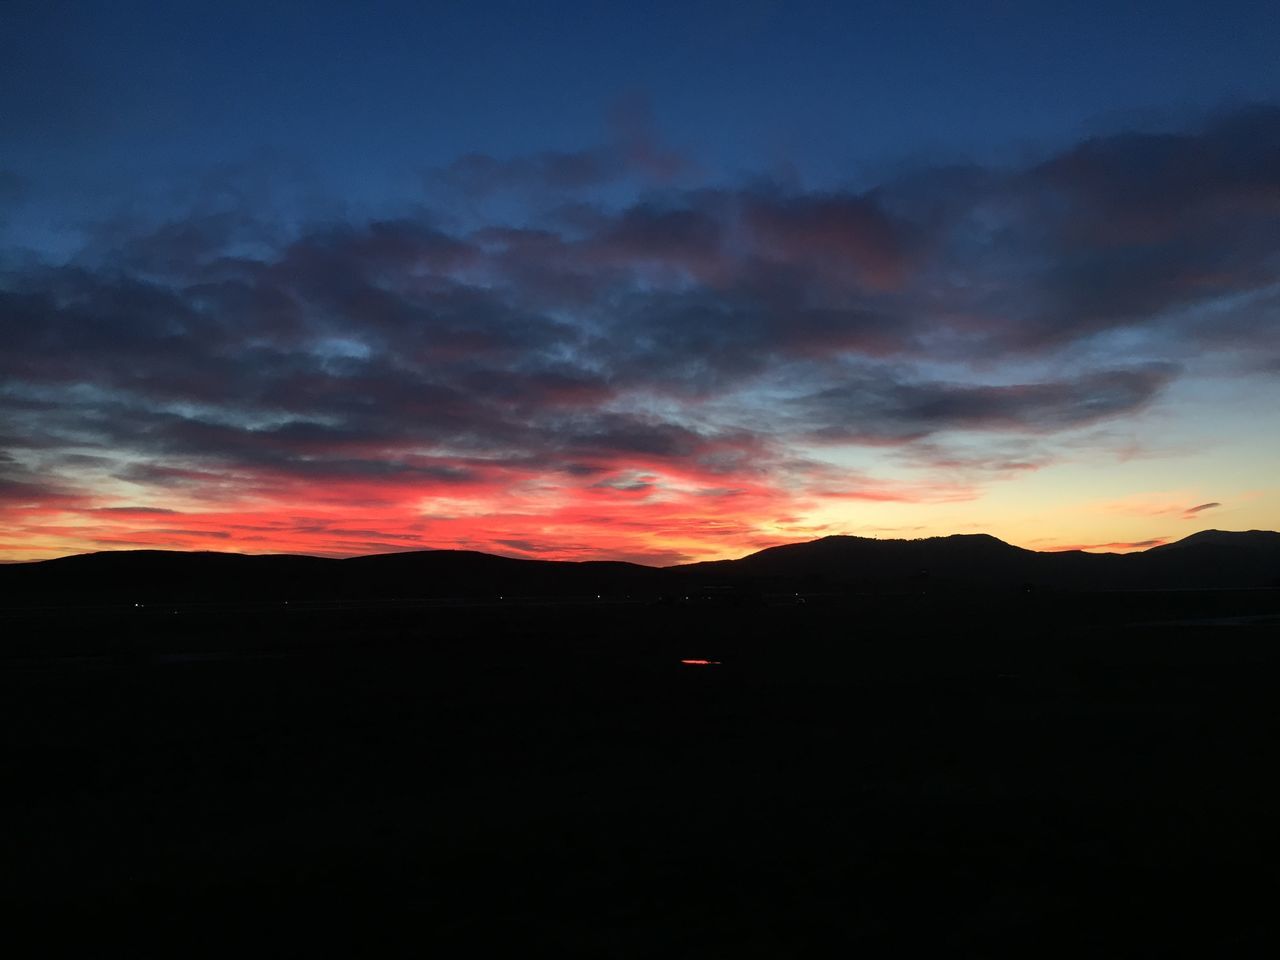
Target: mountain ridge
x=1226 y=537
x=836 y=564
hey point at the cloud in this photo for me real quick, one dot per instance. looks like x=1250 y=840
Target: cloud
x=1192 y=512
x=881 y=408
x=1159 y=505
x=136 y=511
x=1121 y=546
x=683 y=352
x=850 y=239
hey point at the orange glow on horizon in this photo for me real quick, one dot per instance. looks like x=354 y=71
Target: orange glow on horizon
x=651 y=511
x=654 y=513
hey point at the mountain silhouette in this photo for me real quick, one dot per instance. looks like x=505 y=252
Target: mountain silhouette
x=837 y=564
x=843 y=559
x=1248 y=539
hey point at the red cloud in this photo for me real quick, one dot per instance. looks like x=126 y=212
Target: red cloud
x=634 y=507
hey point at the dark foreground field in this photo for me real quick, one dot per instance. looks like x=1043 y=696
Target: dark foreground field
x=1076 y=777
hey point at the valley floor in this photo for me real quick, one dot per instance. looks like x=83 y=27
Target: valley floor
x=552 y=780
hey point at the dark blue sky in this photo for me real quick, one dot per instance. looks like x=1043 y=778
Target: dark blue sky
x=97 y=95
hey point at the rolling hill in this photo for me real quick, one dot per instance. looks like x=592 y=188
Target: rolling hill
x=838 y=564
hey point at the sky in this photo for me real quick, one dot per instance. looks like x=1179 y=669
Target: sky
x=655 y=282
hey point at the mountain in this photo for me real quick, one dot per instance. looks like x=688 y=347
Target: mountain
x=1211 y=559
x=139 y=576
x=837 y=564
x=1217 y=558
x=1247 y=539
x=854 y=560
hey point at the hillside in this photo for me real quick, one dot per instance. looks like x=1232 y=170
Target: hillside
x=837 y=564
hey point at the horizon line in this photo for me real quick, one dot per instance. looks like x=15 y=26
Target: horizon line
x=1137 y=547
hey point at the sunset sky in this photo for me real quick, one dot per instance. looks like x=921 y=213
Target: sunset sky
x=656 y=282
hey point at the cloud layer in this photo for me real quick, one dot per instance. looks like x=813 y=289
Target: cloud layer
x=676 y=375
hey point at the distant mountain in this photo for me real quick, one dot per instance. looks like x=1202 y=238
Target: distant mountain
x=466 y=573
x=139 y=576
x=1216 y=558
x=838 y=564
x=1248 y=539
x=1211 y=559
x=852 y=560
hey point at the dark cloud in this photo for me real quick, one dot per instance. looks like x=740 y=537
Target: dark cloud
x=706 y=327
x=1139 y=185
x=24 y=488
x=849 y=237
x=1004 y=456
x=1191 y=512
x=876 y=407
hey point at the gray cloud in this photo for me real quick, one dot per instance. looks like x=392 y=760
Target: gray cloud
x=1191 y=512
x=405 y=348
x=877 y=407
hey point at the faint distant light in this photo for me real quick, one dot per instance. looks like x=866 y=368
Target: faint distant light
x=700 y=663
